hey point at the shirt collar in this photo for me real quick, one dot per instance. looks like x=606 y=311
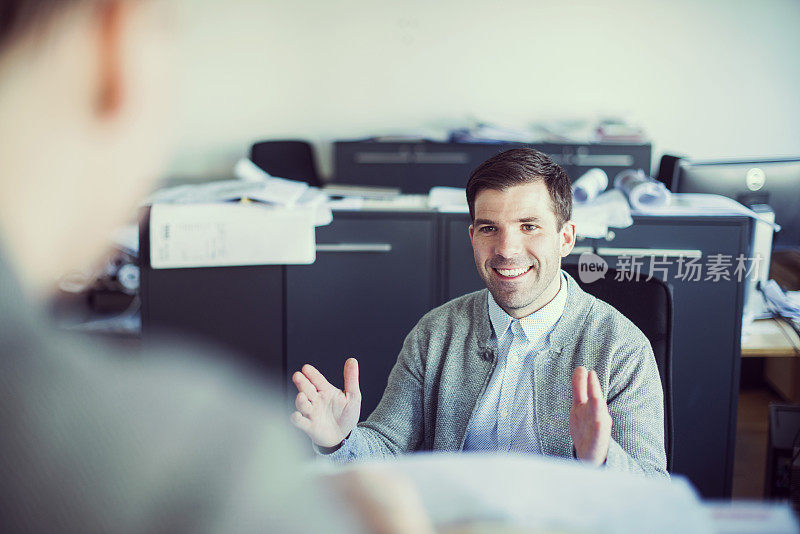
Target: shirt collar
x=534 y=325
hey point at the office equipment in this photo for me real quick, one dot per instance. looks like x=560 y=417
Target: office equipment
x=755 y=305
x=287 y=159
x=775 y=182
x=648 y=305
x=417 y=167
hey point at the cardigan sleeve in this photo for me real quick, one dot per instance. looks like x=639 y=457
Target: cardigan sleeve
x=396 y=425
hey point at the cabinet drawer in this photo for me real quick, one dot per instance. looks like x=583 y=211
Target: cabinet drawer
x=374 y=278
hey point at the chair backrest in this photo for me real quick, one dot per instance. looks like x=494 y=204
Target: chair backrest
x=648 y=305
x=286 y=159
x=666 y=170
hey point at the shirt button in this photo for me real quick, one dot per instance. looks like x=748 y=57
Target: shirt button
x=514 y=359
x=504 y=414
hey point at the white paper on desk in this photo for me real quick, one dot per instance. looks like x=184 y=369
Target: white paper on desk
x=751 y=517
x=346 y=204
x=218 y=191
x=314 y=198
x=213 y=235
x=276 y=190
x=609 y=210
x=548 y=494
x=448 y=199
x=703 y=204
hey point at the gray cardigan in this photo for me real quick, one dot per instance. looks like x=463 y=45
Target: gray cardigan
x=447 y=360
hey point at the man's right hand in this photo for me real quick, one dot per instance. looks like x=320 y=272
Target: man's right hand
x=327 y=414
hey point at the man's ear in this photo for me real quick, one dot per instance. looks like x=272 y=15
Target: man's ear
x=110 y=18
x=471 y=232
x=567 y=238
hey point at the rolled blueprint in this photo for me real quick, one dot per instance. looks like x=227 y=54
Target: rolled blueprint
x=642 y=191
x=587 y=187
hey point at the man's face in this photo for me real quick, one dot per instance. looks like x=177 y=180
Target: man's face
x=518 y=246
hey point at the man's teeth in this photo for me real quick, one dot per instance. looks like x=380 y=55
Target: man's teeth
x=512 y=272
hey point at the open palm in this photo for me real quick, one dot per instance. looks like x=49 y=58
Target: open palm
x=324 y=412
x=589 y=419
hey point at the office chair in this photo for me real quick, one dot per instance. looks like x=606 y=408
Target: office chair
x=286 y=159
x=648 y=305
x=667 y=167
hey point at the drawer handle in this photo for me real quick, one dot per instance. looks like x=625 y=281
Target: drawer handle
x=354 y=247
x=383 y=158
x=603 y=160
x=669 y=252
x=452 y=158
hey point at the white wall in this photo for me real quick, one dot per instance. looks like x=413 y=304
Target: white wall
x=706 y=78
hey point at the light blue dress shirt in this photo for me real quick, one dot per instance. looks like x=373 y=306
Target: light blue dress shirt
x=505 y=418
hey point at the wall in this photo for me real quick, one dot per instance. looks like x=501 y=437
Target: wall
x=706 y=78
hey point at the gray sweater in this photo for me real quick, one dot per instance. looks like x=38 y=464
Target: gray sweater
x=100 y=440
x=447 y=360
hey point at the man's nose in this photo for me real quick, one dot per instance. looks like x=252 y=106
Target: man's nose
x=509 y=244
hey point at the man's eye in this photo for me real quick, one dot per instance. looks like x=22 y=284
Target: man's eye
x=529 y=227
x=486 y=229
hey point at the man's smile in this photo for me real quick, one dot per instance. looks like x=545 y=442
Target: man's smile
x=512 y=273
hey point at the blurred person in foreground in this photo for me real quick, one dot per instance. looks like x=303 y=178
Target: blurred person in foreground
x=94 y=441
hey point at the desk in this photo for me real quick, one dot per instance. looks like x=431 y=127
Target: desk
x=777 y=341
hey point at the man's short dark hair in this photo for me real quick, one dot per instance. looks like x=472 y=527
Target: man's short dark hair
x=523 y=166
x=17 y=17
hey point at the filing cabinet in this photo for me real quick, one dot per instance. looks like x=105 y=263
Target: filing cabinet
x=374 y=277
x=417 y=167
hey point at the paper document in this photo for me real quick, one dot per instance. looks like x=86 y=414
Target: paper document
x=276 y=190
x=703 y=204
x=589 y=186
x=752 y=517
x=218 y=191
x=609 y=210
x=642 y=191
x=448 y=199
x=211 y=235
x=346 y=204
x=360 y=191
x=547 y=494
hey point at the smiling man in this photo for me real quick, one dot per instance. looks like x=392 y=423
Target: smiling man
x=531 y=365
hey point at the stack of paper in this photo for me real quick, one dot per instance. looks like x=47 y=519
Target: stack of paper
x=271 y=222
x=226 y=234
x=609 y=210
x=253 y=185
x=480 y=492
x=448 y=199
x=541 y=494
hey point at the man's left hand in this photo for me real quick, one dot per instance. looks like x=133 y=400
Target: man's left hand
x=589 y=420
